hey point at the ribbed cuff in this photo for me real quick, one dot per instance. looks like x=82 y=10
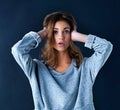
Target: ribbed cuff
x=90 y=41
x=35 y=36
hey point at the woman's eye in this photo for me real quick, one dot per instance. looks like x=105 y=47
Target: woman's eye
x=55 y=32
x=66 y=31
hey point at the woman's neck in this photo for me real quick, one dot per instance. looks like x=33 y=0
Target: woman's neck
x=64 y=62
x=63 y=58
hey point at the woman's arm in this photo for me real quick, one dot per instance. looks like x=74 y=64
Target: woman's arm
x=76 y=36
x=102 y=49
x=22 y=48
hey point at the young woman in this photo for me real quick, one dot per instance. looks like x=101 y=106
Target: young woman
x=62 y=79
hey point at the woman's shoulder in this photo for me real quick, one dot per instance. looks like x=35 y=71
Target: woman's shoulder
x=39 y=62
x=84 y=61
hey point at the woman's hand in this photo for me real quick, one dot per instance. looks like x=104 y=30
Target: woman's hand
x=43 y=33
x=76 y=36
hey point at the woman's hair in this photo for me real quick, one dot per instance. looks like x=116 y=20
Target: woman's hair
x=49 y=54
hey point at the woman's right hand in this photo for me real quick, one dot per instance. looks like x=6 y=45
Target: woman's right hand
x=43 y=33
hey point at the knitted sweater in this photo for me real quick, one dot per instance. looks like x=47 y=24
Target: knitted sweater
x=71 y=90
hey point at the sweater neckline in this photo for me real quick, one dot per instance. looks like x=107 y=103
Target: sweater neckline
x=69 y=69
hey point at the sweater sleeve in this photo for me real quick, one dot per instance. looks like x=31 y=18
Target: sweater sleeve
x=102 y=50
x=21 y=51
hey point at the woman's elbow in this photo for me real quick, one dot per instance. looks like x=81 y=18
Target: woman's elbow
x=110 y=46
x=15 y=49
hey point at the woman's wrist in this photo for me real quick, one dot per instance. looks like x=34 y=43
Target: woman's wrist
x=42 y=33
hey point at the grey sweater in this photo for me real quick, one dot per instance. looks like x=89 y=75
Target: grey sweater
x=71 y=90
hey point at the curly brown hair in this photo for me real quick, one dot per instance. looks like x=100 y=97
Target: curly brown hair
x=49 y=54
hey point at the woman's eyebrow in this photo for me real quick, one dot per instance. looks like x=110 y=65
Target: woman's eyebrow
x=64 y=28
x=56 y=28
x=67 y=28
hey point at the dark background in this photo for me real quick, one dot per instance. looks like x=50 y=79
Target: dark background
x=17 y=17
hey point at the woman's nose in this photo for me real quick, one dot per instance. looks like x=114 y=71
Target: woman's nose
x=61 y=35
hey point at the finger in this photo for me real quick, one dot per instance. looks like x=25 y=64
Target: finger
x=44 y=28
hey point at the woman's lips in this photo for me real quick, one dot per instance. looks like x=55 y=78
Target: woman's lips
x=61 y=44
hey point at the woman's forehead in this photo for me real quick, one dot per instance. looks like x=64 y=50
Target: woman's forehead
x=62 y=24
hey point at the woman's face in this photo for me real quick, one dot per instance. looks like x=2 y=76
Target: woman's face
x=62 y=36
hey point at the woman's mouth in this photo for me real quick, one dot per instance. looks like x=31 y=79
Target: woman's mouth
x=61 y=44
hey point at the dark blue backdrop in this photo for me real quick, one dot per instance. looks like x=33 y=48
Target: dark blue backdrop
x=101 y=18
